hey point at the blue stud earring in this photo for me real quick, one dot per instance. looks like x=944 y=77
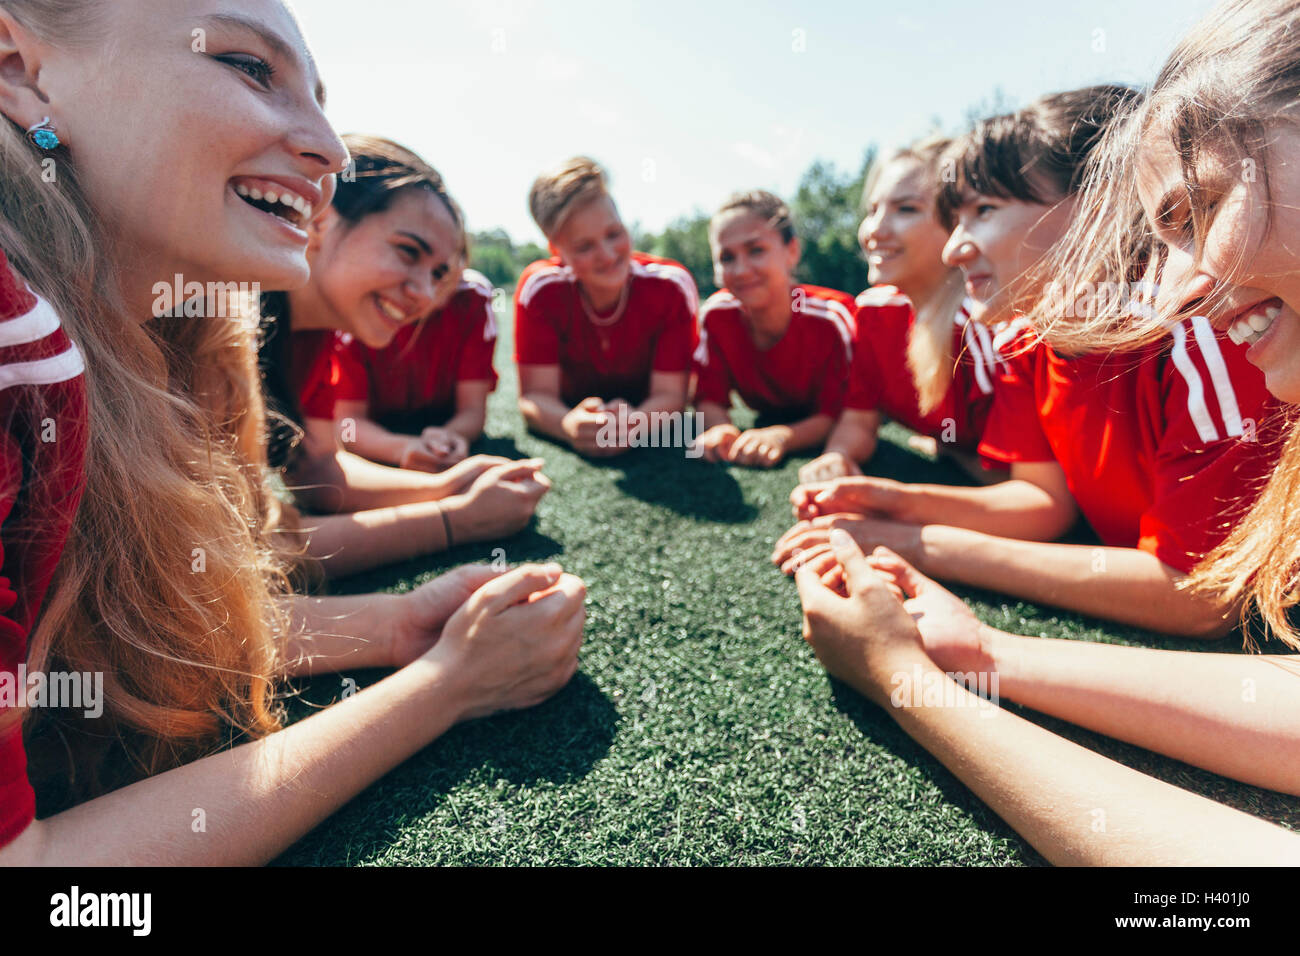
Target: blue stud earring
x=42 y=135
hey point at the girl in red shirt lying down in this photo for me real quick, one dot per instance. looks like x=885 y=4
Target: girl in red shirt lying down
x=387 y=248
x=601 y=331
x=421 y=401
x=783 y=347
x=1161 y=449
x=918 y=358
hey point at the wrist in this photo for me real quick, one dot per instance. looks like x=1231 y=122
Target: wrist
x=893 y=675
x=443 y=682
x=451 y=521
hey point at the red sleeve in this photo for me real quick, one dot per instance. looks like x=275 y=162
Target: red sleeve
x=476 y=357
x=1014 y=432
x=866 y=384
x=835 y=379
x=678 y=339
x=713 y=378
x=537 y=342
x=1217 y=451
x=338 y=374
x=17 y=798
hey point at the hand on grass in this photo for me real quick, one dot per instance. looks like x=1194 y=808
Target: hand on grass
x=450 y=447
x=424 y=612
x=801 y=541
x=881 y=497
x=828 y=467
x=951 y=633
x=583 y=424
x=864 y=635
x=759 y=447
x=716 y=442
x=514 y=642
x=499 y=503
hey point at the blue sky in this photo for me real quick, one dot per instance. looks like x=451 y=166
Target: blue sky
x=685 y=102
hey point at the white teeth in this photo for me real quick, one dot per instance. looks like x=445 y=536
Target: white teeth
x=1273 y=312
x=255 y=194
x=242 y=190
x=391 y=311
x=1233 y=336
x=307 y=211
x=272 y=198
x=289 y=200
x=1259 y=322
x=300 y=204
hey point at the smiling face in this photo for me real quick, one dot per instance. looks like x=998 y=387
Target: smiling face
x=900 y=235
x=174 y=112
x=996 y=242
x=751 y=260
x=595 y=244
x=1248 y=258
x=387 y=270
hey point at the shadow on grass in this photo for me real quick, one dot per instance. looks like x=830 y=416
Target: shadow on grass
x=558 y=742
x=875 y=723
x=529 y=545
x=502 y=445
x=690 y=487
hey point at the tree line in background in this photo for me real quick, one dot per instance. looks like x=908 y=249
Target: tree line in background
x=827 y=209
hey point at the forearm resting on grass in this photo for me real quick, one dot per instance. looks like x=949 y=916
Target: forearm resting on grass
x=257 y=798
x=1237 y=715
x=1119 y=584
x=1074 y=805
x=1034 y=505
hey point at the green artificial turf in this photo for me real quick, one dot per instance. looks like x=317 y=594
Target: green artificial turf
x=700 y=728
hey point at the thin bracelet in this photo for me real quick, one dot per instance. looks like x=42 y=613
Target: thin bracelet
x=446 y=524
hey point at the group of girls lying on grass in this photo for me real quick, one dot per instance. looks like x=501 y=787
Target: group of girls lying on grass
x=143 y=537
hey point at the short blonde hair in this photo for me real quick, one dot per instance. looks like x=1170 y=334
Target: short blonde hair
x=763 y=204
x=559 y=193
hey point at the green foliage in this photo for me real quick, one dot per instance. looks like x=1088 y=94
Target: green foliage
x=686 y=240
x=495 y=254
x=827 y=210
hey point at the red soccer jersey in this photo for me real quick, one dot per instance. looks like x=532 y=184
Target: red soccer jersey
x=412 y=382
x=324 y=369
x=881 y=379
x=42 y=475
x=655 y=333
x=803 y=374
x=1161 y=448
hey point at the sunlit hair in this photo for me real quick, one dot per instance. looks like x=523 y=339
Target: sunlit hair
x=559 y=193
x=929 y=345
x=1230 y=81
x=763 y=204
x=173 y=476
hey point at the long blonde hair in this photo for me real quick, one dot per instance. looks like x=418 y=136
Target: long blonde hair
x=1230 y=79
x=166 y=582
x=929 y=344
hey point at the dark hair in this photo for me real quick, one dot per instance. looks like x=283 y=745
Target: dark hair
x=379 y=171
x=1038 y=154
